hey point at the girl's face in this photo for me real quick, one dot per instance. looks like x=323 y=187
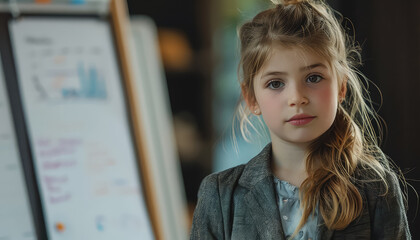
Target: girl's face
x=297 y=94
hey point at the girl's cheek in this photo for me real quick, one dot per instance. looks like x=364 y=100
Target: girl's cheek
x=327 y=94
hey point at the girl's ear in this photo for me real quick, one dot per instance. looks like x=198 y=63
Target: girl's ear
x=343 y=90
x=249 y=99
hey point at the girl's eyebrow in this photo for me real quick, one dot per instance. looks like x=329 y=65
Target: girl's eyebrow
x=305 y=68
x=313 y=66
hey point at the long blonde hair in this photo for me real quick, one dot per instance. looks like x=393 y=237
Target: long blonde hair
x=351 y=143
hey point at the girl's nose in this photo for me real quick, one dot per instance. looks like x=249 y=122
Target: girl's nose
x=297 y=97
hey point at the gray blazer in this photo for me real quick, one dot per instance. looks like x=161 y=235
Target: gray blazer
x=240 y=203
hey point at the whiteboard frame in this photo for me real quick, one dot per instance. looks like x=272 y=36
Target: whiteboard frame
x=121 y=24
x=153 y=97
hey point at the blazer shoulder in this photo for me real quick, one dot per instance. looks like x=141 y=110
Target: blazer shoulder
x=386 y=205
x=375 y=186
x=211 y=215
x=224 y=179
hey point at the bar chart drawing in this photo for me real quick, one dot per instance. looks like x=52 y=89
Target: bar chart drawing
x=92 y=85
x=68 y=79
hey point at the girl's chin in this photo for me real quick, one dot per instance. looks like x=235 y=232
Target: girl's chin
x=297 y=141
x=301 y=138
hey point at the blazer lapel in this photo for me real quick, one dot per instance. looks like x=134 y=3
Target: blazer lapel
x=261 y=199
x=323 y=232
x=264 y=211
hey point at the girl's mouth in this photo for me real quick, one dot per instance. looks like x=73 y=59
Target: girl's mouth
x=300 y=121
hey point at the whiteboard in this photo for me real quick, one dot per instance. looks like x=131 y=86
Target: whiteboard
x=75 y=109
x=16 y=220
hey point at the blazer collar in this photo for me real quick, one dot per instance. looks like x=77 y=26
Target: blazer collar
x=323 y=231
x=261 y=199
x=257 y=169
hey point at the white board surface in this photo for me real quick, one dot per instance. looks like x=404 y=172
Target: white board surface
x=75 y=109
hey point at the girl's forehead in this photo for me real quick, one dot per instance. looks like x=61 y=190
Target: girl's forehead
x=298 y=50
x=293 y=56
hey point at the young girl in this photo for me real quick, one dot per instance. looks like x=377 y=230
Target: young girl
x=323 y=175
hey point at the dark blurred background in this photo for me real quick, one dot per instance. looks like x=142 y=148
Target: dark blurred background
x=200 y=55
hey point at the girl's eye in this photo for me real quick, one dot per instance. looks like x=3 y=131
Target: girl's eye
x=275 y=84
x=314 y=79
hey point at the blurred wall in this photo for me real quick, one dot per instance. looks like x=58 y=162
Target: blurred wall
x=389 y=33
